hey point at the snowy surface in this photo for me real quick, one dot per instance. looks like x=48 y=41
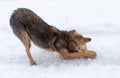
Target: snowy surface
x=98 y=19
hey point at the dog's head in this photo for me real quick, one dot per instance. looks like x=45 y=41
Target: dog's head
x=76 y=40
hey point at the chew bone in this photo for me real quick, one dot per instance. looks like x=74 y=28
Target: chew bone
x=82 y=48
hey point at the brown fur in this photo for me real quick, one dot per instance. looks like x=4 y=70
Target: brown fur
x=28 y=26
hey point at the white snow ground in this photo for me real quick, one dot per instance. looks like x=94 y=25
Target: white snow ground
x=99 y=20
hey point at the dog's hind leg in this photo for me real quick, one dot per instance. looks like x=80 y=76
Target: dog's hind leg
x=26 y=41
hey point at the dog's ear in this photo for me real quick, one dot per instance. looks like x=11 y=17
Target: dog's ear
x=72 y=43
x=72 y=46
x=71 y=34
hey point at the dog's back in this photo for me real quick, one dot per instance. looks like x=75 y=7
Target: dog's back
x=25 y=21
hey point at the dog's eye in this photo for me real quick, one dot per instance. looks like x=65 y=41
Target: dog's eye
x=78 y=37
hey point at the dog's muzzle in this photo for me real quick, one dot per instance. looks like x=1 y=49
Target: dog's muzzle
x=89 y=39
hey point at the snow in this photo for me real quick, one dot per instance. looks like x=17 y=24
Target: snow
x=99 y=20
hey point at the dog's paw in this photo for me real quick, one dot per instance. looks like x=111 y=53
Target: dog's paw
x=90 y=54
x=33 y=62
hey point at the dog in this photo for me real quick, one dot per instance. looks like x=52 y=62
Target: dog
x=28 y=26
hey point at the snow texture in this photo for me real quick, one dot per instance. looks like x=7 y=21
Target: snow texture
x=98 y=19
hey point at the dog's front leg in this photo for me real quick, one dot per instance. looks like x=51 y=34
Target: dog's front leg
x=87 y=54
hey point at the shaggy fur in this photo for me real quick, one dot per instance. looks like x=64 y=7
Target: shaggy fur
x=28 y=26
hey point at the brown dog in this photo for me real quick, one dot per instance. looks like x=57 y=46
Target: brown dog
x=28 y=26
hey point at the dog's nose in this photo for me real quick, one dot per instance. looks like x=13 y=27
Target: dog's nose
x=89 y=39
